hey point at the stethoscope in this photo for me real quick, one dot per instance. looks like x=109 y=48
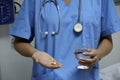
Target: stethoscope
x=77 y=27
x=57 y=7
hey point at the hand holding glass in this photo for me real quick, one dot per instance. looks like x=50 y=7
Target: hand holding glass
x=79 y=54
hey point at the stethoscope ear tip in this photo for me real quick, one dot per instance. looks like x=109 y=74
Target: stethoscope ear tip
x=44 y=2
x=46 y=33
x=53 y=33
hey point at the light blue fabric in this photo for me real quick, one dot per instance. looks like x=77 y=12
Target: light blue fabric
x=98 y=18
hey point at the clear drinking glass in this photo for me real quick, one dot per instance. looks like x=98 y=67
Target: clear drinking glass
x=79 y=54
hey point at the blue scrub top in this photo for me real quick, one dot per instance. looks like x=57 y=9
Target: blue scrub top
x=98 y=18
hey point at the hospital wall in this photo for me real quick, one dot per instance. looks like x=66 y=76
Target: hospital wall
x=16 y=67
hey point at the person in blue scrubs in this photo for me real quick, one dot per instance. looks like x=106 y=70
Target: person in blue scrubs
x=53 y=55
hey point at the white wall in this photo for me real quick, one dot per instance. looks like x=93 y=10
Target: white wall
x=16 y=67
x=12 y=65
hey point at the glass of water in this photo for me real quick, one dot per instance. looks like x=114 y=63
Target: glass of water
x=79 y=54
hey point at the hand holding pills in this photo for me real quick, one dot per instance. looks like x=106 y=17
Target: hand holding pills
x=46 y=60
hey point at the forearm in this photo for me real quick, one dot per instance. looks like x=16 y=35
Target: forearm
x=24 y=48
x=105 y=46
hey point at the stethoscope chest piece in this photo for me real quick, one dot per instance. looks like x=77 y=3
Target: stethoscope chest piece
x=78 y=27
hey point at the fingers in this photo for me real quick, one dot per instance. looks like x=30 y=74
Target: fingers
x=51 y=64
x=46 y=60
x=92 y=53
x=89 y=61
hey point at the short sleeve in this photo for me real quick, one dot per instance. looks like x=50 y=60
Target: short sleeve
x=110 y=20
x=24 y=22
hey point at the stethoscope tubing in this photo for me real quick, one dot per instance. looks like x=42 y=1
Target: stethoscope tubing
x=57 y=7
x=79 y=10
x=55 y=2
